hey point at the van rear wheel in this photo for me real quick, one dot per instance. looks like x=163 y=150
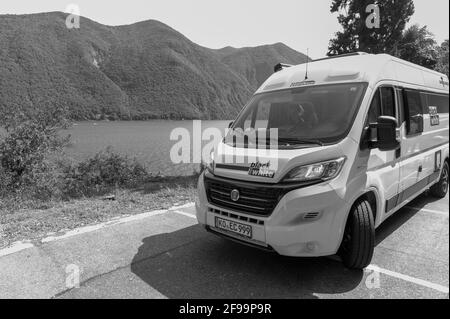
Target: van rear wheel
x=440 y=189
x=358 y=243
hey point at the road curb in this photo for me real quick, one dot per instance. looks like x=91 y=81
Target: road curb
x=26 y=244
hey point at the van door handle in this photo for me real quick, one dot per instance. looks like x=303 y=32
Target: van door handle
x=420 y=169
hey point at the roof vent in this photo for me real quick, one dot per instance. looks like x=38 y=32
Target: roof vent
x=341 y=56
x=281 y=66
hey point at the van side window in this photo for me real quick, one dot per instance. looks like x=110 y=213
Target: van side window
x=439 y=101
x=388 y=101
x=383 y=103
x=375 y=108
x=413 y=112
x=400 y=108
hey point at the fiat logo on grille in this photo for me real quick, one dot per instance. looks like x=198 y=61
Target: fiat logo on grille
x=235 y=195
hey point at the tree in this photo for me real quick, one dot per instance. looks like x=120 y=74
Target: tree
x=418 y=46
x=442 y=62
x=356 y=36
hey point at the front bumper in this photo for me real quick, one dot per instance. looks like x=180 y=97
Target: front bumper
x=307 y=222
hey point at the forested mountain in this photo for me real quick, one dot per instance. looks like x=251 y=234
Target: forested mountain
x=139 y=71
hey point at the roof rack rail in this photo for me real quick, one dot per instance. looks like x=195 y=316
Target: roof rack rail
x=281 y=66
x=341 y=56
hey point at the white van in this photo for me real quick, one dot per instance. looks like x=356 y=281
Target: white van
x=359 y=136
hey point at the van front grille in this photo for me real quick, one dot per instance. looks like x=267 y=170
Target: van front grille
x=257 y=200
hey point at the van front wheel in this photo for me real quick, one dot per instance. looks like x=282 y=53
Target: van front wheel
x=440 y=189
x=358 y=243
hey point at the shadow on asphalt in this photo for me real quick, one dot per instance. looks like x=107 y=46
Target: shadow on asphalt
x=211 y=267
x=402 y=216
x=191 y=263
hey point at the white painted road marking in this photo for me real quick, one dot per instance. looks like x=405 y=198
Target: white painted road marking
x=88 y=229
x=15 y=248
x=427 y=210
x=188 y=205
x=184 y=214
x=19 y=246
x=416 y=281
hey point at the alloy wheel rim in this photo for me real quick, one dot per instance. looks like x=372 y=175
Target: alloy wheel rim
x=445 y=179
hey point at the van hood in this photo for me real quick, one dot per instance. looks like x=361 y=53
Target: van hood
x=271 y=166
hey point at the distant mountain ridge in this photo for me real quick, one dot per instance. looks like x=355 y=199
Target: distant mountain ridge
x=144 y=70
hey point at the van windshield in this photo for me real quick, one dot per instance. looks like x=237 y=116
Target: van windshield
x=301 y=116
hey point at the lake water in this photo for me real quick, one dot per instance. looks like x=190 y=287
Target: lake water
x=148 y=141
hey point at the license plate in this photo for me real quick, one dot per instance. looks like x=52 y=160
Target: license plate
x=237 y=228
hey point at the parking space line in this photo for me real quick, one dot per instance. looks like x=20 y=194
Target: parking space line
x=19 y=246
x=95 y=227
x=427 y=210
x=15 y=248
x=184 y=213
x=188 y=205
x=416 y=281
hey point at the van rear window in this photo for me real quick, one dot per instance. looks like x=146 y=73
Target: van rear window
x=439 y=101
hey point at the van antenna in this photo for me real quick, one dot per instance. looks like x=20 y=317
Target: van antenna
x=307 y=62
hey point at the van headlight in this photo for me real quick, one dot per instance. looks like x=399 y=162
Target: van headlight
x=323 y=171
x=210 y=163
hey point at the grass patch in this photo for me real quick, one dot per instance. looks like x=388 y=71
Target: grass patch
x=34 y=220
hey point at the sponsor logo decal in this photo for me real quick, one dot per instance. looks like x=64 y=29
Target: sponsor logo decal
x=261 y=169
x=434 y=116
x=303 y=83
x=443 y=82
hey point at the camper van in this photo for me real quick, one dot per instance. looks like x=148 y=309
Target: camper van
x=357 y=137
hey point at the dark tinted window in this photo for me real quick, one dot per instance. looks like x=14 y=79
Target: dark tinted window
x=439 y=101
x=383 y=103
x=401 y=115
x=375 y=108
x=388 y=101
x=414 y=112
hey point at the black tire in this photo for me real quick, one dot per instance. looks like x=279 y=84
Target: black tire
x=440 y=189
x=358 y=243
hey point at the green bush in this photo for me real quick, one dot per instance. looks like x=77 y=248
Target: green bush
x=5 y=181
x=33 y=165
x=28 y=149
x=101 y=173
x=25 y=147
x=44 y=180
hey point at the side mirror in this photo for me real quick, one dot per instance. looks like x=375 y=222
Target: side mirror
x=386 y=132
x=230 y=124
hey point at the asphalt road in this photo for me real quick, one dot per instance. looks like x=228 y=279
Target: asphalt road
x=167 y=255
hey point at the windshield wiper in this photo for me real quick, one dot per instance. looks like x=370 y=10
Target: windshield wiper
x=297 y=141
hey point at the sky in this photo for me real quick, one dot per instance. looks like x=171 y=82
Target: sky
x=301 y=24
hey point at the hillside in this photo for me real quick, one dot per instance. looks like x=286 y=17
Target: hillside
x=256 y=64
x=139 y=71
